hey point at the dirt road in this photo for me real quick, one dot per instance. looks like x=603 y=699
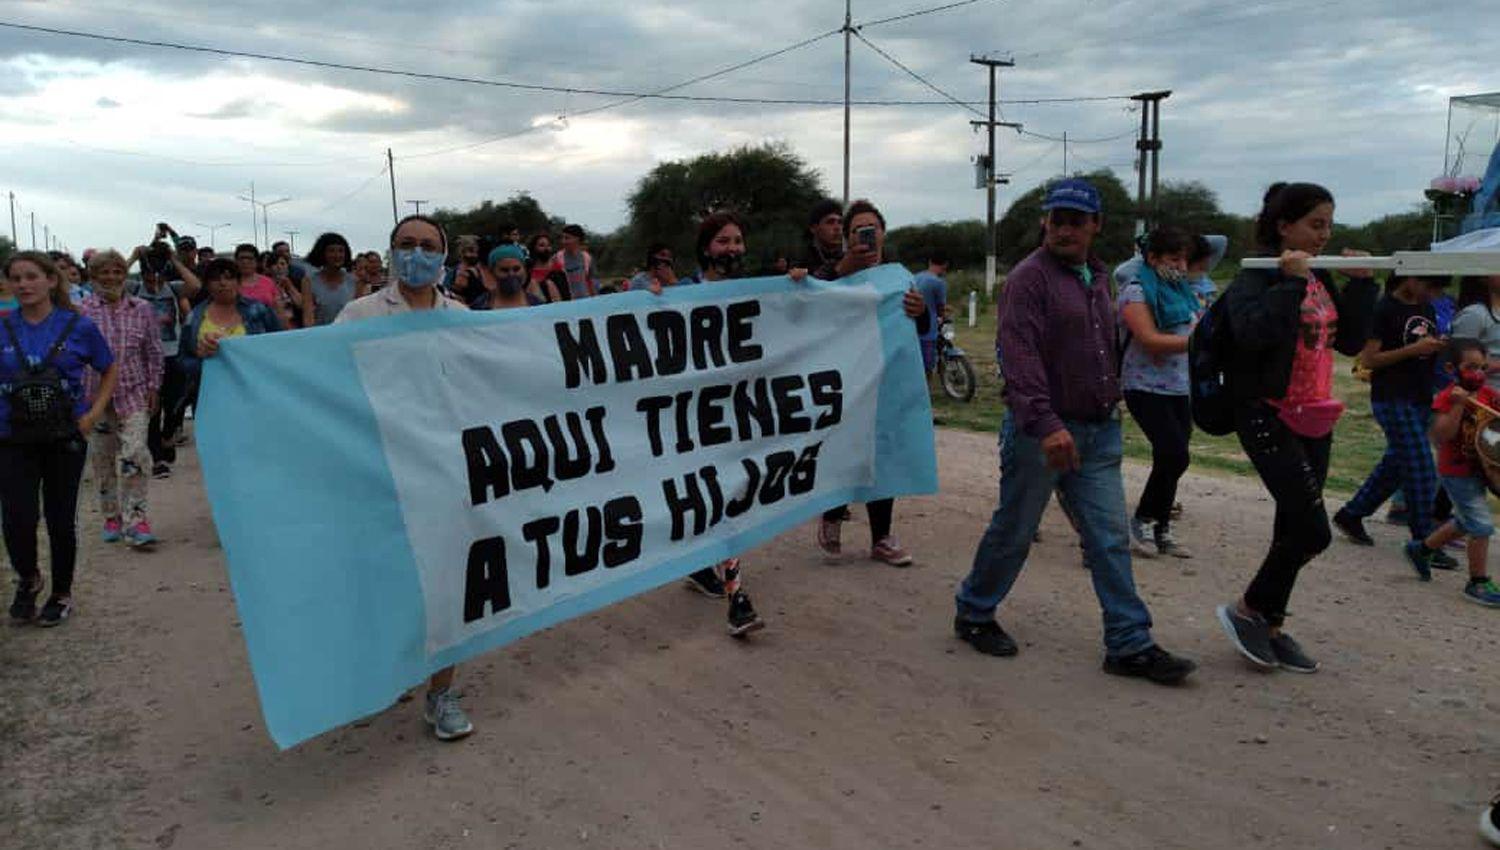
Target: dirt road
x=854 y=721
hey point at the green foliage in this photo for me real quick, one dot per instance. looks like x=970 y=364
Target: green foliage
x=768 y=185
x=485 y=220
x=1408 y=231
x=1021 y=225
x=962 y=241
x=7 y=248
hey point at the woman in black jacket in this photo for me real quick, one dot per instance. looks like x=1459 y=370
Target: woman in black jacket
x=1284 y=325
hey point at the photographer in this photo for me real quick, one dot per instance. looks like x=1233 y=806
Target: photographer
x=168 y=285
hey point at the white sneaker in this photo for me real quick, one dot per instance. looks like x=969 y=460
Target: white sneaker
x=448 y=721
x=1142 y=538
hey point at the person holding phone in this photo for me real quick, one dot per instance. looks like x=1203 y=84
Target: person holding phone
x=864 y=228
x=660 y=270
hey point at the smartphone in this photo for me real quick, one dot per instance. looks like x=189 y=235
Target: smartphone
x=866 y=236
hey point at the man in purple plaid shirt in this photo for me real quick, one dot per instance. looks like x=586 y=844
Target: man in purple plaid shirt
x=1062 y=431
x=121 y=458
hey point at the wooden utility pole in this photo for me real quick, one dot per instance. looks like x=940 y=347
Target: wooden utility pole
x=1148 y=145
x=988 y=173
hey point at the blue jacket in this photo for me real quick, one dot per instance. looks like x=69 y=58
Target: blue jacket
x=258 y=318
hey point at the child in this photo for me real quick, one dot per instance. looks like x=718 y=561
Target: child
x=1403 y=341
x=1453 y=432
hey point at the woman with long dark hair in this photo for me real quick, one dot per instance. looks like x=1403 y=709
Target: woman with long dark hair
x=45 y=347
x=1284 y=325
x=332 y=285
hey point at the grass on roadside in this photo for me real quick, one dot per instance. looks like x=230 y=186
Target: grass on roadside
x=1357 y=443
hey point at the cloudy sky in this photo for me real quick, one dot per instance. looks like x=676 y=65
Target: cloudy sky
x=101 y=139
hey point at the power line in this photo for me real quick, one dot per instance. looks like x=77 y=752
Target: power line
x=357 y=189
x=918 y=77
x=918 y=13
x=1072 y=141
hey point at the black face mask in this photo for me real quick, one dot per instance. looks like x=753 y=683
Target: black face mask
x=543 y=254
x=509 y=284
x=728 y=265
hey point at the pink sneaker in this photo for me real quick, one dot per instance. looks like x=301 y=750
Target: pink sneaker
x=111 y=532
x=888 y=551
x=139 y=536
x=828 y=540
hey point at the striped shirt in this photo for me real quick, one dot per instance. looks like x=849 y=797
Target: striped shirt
x=130 y=327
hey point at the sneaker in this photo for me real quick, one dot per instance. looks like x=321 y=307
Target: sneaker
x=1353 y=528
x=1142 y=538
x=1485 y=593
x=442 y=712
x=139 y=536
x=1489 y=822
x=1441 y=560
x=23 y=608
x=742 y=617
x=828 y=539
x=161 y=469
x=1167 y=545
x=987 y=637
x=1289 y=655
x=1152 y=663
x=1420 y=558
x=706 y=582
x=54 y=612
x=111 y=532
x=1250 y=635
x=887 y=551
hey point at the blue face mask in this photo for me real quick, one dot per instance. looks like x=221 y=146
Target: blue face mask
x=417 y=268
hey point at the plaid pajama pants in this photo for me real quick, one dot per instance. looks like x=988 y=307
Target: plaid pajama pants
x=1407 y=465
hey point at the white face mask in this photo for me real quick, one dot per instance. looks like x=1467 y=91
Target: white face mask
x=1170 y=274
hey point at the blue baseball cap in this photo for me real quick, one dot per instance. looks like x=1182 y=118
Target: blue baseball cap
x=1073 y=194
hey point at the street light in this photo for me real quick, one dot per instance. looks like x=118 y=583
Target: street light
x=418 y=205
x=213 y=230
x=265 y=216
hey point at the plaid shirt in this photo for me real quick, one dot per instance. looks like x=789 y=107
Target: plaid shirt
x=130 y=327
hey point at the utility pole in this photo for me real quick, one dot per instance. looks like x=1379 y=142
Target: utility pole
x=1065 y=153
x=291 y=235
x=46 y=238
x=1148 y=145
x=418 y=204
x=390 y=166
x=33 y=230
x=13 y=242
x=265 y=214
x=213 y=231
x=991 y=178
x=848 y=33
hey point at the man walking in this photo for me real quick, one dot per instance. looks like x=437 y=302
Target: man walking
x=1062 y=430
x=933 y=285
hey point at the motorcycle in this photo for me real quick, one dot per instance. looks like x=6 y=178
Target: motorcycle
x=955 y=373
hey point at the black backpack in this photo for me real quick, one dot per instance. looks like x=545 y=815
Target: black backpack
x=1210 y=350
x=41 y=411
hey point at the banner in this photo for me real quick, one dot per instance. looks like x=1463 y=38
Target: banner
x=399 y=494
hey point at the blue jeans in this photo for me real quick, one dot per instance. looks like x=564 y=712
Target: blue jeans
x=1471 y=506
x=1096 y=496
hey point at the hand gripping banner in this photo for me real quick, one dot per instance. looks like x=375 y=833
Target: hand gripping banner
x=400 y=494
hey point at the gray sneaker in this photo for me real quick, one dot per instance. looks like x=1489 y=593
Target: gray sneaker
x=448 y=721
x=1289 y=655
x=1142 y=538
x=1250 y=635
x=1167 y=545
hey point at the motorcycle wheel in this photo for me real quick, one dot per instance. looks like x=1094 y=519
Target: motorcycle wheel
x=958 y=379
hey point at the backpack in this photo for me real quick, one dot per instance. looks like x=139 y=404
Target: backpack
x=1210 y=350
x=41 y=411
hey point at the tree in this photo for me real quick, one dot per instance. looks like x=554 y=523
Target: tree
x=1020 y=227
x=768 y=185
x=485 y=220
x=962 y=241
x=7 y=248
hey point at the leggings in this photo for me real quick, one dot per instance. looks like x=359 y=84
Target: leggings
x=1293 y=469
x=167 y=420
x=1167 y=421
x=50 y=474
x=880 y=512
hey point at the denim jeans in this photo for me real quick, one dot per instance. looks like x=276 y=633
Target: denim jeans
x=1096 y=495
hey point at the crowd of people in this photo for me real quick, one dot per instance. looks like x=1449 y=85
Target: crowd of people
x=96 y=365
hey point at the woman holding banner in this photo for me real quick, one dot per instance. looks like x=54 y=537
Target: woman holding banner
x=418 y=247
x=1284 y=326
x=864 y=233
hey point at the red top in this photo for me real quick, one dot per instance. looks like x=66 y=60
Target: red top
x=1453 y=459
